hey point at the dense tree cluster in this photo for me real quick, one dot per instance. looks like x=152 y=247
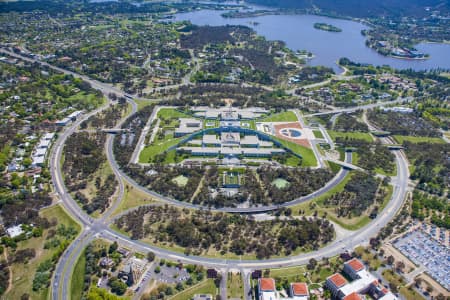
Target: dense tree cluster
x=300 y=182
x=402 y=124
x=201 y=36
x=431 y=166
x=23 y=208
x=201 y=231
x=204 y=185
x=360 y=193
x=436 y=209
x=163 y=180
x=84 y=155
x=106 y=118
x=373 y=157
x=348 y=122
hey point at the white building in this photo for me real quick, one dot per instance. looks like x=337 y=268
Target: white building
x=14 y=231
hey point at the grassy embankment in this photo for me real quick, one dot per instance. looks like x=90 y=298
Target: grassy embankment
x=23 y=274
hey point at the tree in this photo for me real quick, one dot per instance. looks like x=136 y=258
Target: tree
x=390 y=260
x=312 y=264
x=117 y=286
x=150 y=256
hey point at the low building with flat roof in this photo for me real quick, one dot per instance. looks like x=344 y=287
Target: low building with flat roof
x=188 y=126
x=299 y=291
x=210 y=140
x=266 y=289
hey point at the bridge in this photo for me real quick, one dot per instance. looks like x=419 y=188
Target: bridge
x=106 y=130
x=345 y=165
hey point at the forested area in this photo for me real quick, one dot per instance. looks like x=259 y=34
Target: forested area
x=431 y=166
x=83 y=158
x=360 y=193
x=301 y=182
x=372 y=157
x=23 y=208
x=402 y=124
x=369 y=156
x=214 y=95
x=107 y=118
x=201 y=36
x=255 y=187
x=348 y=122
x=430 y=207
x=202 y=231
x=249 y=58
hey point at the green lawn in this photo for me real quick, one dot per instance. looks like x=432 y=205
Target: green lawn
x=171 y=113
x=77 y=279
x=132 y=198
x=418 y=139
x=280 y=183
x=157 y=147
x=180 y=180
x=287 y=116
x=308 y=157
x=205 y=287
x=235 y=286
x=318 y=134
x=352 y=135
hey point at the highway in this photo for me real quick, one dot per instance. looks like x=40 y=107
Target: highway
x=99 y=228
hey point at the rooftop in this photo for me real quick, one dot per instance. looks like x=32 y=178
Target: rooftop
x=267 y=284
x=353 y=296
x=355 y=264
x=338 y=280
x=299 y=289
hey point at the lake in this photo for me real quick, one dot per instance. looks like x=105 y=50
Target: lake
x=298 y=33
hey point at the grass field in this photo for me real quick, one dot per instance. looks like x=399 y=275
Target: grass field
x=318 y=134
x=297 y=274
x=205 y=287
x=77 y=280
x=103 y=172
x=157 y=148
x=308 y=157
x=351 y=135
x=171 y=113
x=132 y=197
x=23 y=274
x=235 y=286
x=180 y=180
x=287 y=116
x=231 y=178
x=280 y=183
x=418 y=139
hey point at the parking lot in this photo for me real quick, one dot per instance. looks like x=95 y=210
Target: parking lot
x=424 y=250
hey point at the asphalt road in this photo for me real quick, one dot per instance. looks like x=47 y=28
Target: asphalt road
x=99 y=228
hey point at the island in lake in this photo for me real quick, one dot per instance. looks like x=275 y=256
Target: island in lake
x=327 y=27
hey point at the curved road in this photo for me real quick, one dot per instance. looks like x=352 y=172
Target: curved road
x=99 y=228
